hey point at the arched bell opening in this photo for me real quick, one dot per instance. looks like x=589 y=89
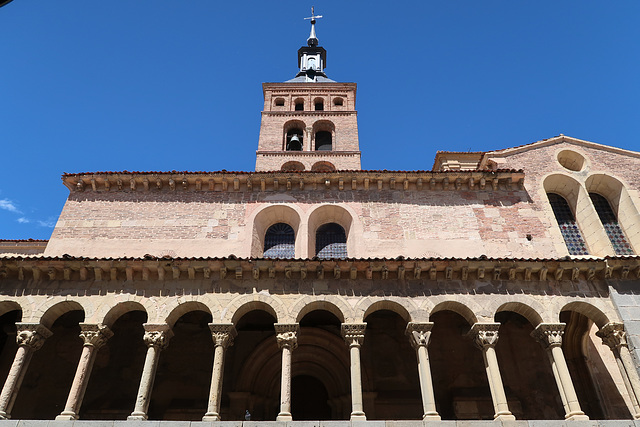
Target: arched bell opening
x=116 y=371
x=598 y=384
x=459 y=377
x=526 y=372
x=389 y=361
x=251 y=372
x=183 y=378
x=294 y=140
x=50 y=373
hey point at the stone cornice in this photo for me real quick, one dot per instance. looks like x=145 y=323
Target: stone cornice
x=507 y=180
x=325 y=113
x=69 y=269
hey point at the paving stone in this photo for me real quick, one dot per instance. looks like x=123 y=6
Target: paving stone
x=303 y=424
x=616 y=423
x=547 y=423
x=335 y=423
x=368 y=424
x=36 y=423
x=85 y=423
x=8 y=423
x=408 y=423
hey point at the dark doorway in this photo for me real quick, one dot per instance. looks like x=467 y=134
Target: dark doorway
x=309 y=399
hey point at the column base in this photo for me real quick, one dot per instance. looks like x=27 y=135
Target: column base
x=284 y=416
x=431 y=416
x=576 y=416
x=137 y=416
x=504 y=416
x=67 y=416
x=211 y=416
x=4 y=416
x=635 y=417
x=358 y=416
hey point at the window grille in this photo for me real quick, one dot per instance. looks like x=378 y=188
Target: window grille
x=280 y=241
x=567 y=223
x=331 y=241
x=611 y=225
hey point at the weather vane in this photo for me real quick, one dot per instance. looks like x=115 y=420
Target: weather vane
x=313 y=16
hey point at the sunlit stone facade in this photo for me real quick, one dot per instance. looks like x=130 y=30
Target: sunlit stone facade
x=311 y=290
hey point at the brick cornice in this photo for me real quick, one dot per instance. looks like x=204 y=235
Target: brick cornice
x=504 y=180
x=568 y=271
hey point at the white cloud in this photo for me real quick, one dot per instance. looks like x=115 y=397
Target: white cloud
x=49 y=223
x=23 y=220
x=8 y=205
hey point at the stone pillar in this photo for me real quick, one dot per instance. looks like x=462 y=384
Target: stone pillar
x=353 y=334
x=156 y=337
x=614 y=336
x=94 y=337
x=550 y=336
x=223 y=335
x=485 y=336
x=419 y=334
x=30 y=337
x=287 y=336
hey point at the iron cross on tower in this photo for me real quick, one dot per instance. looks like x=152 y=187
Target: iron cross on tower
x=313 y=16
x=313 y=40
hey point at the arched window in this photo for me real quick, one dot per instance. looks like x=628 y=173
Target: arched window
x=331 y=241
x=318 y=104
x=611 y=226
x=294 y=140
x=567 y=223
x=299 y=104
x=279 y=241
x=323 y=141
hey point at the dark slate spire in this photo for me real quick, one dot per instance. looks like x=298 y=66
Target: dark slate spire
x=312 y=59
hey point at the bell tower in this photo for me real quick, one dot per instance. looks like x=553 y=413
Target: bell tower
x=309 y=122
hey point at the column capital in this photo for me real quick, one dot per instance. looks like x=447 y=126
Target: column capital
x=287 y=334
x=419 y=333
x=353 y=333
x=223 y=334
x=31 y=335
x=484 y=334
x=549 y=335
x=613 y=335
x=95 y=335
x=157 y=335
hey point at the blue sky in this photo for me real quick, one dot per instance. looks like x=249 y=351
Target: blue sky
x=176 y=85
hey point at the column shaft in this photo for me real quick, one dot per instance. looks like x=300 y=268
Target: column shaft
x=286 y=335
x=94 y=337
x=550 y=336
x=223 y=336
x=30 y=338
x=419 y=335
x=485 y=336
x=157 y=338
x=354 y=335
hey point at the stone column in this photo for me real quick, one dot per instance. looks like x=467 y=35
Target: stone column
x=485 y=336
x=287 y=336
x=614 y=336
x=30 y=337
x=419 y=334
x=156 y=337
x=223 y=335
x=94 y=337
x=353 y=334
x=550 y=336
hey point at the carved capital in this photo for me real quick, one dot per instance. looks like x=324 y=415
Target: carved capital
x=157 y=335
x=95 y=335
x=223 y=334
x=353 y=333
x=613 y=335
x=484 y=334
x=287 y=335
x=549 y=334
x=31 y=335
x=419 y=333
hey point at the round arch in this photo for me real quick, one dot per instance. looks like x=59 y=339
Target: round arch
x=326 y=214
x=457 y=307
x=7 y=306
x=306 y=305
x=268 y=216
x=324 y=135
x=121 y=309
x=245 y=303
x=293 y=125
x=292 y=166
x=588 y=310
x=323 y=166
x=53 y=312
x=402 y=307
x=531 y=314
x=183 y=308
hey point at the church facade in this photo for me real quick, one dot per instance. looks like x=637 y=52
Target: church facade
x=498 y=285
